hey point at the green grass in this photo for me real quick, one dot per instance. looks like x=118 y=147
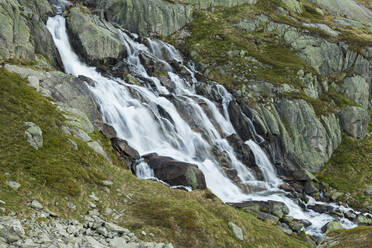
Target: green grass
x=57 y=174
x=360 y=237
x=350 y=169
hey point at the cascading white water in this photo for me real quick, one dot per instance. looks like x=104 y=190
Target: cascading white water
x=134 y=113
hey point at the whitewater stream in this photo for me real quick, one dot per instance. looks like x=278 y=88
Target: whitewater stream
x=137 y=114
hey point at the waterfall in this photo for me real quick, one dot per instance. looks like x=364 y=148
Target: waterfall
x=133 y=110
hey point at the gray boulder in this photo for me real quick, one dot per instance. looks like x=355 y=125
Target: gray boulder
x=176 y=173
x=34 y=135
x=96 y=40
x=354 y=121
x=238 y=232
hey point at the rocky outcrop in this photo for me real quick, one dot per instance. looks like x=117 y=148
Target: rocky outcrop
x=299 y=138
x=355 y=121
x=357 y=89
x=176 y=173
x=348 y=8
x=205 y=4
x=23 y=34
x=34 y=135
x=160 y=17
x=144 y=17
x=66 y=89
x=97 y=41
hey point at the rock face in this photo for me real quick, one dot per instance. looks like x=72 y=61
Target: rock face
x=347 y=8
x=160 y=17
x=145 y=17
x=355 y=121
x=176 y=173
x=298 y=137
x=66 y=89
x=23 y=34
x=34 y=135
x=357 y=89
x=96 y=40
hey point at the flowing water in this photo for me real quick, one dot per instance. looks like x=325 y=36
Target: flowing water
x=191 y=128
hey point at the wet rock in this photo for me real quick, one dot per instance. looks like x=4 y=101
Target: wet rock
x=332 y=226
x=153 y=64
x=175 y=172
x=355 y=121
x=310 y=188
x=125 y=152
x=34 y=135
x=238 y=232
x=320 y=208
x=108 y=131
x=240 y=122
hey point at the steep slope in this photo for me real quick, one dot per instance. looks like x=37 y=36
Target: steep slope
x=63 y=173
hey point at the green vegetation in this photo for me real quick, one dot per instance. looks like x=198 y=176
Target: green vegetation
x=214 y=41
x=360 y=237
x=57 y=174
x=350 y=169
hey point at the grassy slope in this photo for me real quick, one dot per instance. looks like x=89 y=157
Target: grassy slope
x=350 y=169
x=57 y=171
x=360 y=237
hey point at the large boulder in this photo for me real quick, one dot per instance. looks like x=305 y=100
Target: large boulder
x=354 y=121
x=176 y=173
x=96 y=40
x=23 y=34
